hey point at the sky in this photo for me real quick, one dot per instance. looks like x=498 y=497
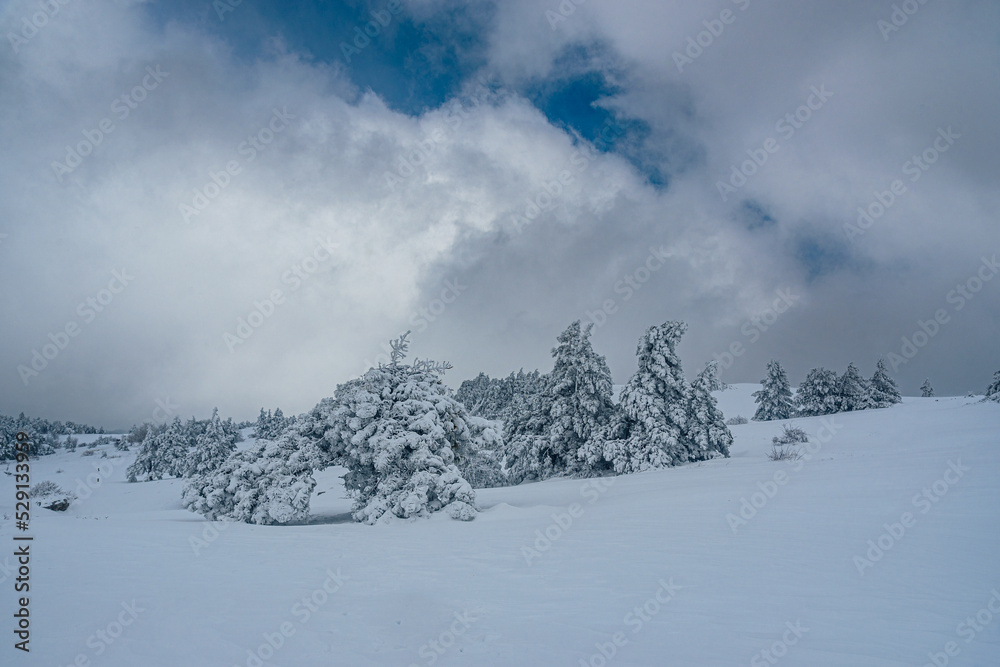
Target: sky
x=237 y=204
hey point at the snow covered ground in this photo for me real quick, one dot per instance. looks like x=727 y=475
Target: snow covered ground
x=880 y=548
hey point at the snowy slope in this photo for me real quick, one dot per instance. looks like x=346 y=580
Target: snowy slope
x=450 y=593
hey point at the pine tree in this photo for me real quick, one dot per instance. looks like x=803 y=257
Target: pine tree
x=926 y=390
x=399 y=431
x=707 y=428
x=993 y=391
x=882 y=391
x=650 y=429
x=852 y=391
x=270 y=483
x=774 y=399
x=212 y=448
x=163 y=454
x=526 y=423
x=580 y=387
x=817 y=395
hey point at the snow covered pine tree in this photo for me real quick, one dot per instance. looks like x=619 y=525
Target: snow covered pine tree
x=926 y=390
x=882 y=391
x=398 y=431
x=213 y=447
x=852 y=391
x=161 y=455
x=817 y=395
x=649 y=430
x=580 y=388
x=993 y=391
x=707 y=428
x=774 y=399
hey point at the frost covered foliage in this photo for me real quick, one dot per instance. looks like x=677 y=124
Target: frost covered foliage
x=269 y=483
x=212 y=447
x=707 y=429
x=579 y=388
x=927 y=391
x=497 y=398
x=738 y=420
x=993 y=391
x=650 y=428
x=882 y=391
x=526 y=422
x=483 y=468
x=400 y=434
x=271 y=425
x=852 y=391
x=163 y=454
x=818 y=393
x=774 y=399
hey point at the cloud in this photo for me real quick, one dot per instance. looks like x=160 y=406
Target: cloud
x=359 y=213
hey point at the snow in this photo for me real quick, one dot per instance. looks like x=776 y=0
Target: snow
x=380 y=595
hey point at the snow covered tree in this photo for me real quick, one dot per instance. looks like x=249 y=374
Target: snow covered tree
x=649 y=430
x=163 y=454
x=399 y=432
x=882 y=391
x=852 y=391
x=774 y=399
x=707 y=428
x=580 y=388
x=993 y=391
x=269 y=483
x=212 y=448
x=817 y=395
x=926 y=390
x=483 y=468
x=526 y=422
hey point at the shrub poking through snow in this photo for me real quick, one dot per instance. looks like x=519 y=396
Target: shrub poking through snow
x=737 y=420
x=49 y=495
x=783 y=447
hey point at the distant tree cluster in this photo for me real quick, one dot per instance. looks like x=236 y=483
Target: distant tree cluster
x=566 y=422
x=824 y=393
x=269 y=426
x=46 y=436
x=182 y=449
